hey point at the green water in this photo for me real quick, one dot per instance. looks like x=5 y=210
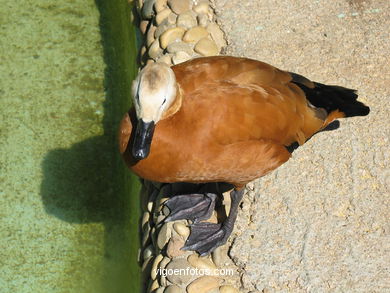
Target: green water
x=68 y=222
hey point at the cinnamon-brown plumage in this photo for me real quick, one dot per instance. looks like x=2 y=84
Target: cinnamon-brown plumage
x=232 y=121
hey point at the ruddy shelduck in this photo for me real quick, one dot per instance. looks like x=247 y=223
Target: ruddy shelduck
x=222 y=119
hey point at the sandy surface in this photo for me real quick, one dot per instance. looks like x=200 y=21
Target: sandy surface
x=320 y=223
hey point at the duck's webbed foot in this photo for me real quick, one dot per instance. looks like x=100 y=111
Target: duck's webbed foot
x=206 y=237
x=194 y=207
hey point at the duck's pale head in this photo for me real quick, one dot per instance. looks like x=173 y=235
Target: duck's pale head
x=154 y=91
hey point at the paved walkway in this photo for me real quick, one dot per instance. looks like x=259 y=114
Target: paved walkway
x=321 y=222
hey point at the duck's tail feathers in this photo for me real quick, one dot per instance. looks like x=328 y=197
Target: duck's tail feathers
x=337 y=101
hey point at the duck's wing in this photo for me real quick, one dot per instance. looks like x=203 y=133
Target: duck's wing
x=262 y=101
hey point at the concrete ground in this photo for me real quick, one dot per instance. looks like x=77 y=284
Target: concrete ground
x=320 y=223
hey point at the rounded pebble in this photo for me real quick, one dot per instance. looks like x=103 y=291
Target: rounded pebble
x=202 y=7
x=217 y=35
x=147 y=9
x=148 y=251
x=180 y=57
x=145 y=234
x=164 y=262
x=159 y=290
x=182 y=230
x=160 y=219
x=171 y=35
x=180 y=6
x=147 y=266
x=166 y=58
x=161 y=202
x=163 y=14
x=156 y=262
x=228 y=289
x=149 y=41
x=164 y=235
x=194 y=34
x=160 y=5
x=216 y=256
x=164 y=26
x=174 y=247
x=180 y=47
x=154 y=50
x=203 y=20
x=153 y=286
x=173 y=289
x=203 y=284
x=186 y=20
x=179 y=264
x=206 y=47
x=143 y=26
x=146 y=215
x=201 y=262
x=172 y=18
x=153 y=235
x=163 y=281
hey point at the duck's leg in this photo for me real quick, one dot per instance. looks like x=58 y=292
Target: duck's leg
x=194 y=207
x=205 y=237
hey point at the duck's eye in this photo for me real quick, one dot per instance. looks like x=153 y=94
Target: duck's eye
x=164 y=102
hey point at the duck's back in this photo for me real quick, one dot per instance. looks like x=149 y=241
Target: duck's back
x=246 y=99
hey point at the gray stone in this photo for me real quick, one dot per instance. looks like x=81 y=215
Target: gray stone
x=147 y=9
x=148 y=251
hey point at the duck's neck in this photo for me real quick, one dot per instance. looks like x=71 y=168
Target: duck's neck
x=176 y=105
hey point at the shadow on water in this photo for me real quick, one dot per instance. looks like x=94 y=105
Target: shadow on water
x=88 y=182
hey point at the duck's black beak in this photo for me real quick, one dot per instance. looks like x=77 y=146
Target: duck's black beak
x=142 y=139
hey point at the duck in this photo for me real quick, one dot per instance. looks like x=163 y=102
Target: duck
x=222 y=119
